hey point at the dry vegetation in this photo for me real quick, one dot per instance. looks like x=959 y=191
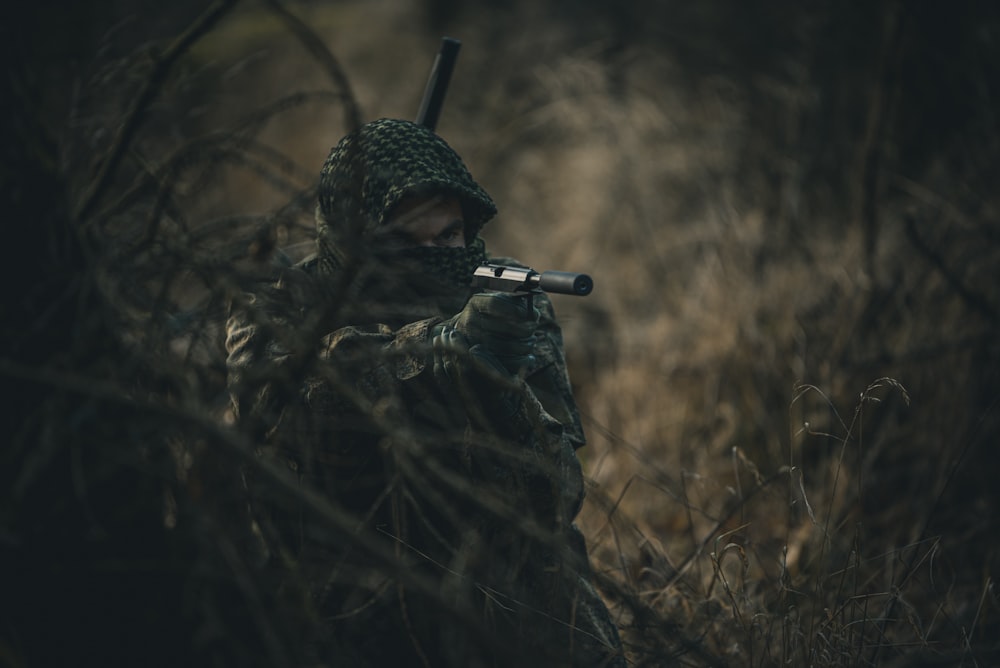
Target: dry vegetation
x=789 y=366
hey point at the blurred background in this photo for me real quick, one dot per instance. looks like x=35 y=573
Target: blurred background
x=788 y=368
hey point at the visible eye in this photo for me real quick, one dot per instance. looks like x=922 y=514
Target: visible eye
x=451 y=235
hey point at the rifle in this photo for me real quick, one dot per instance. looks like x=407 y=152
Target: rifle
x=493 y=276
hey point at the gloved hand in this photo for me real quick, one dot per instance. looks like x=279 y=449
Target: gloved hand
x=498 y=324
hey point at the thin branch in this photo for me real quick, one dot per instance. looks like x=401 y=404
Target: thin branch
x=978 y=302
x=318 y=49
x=148 y=92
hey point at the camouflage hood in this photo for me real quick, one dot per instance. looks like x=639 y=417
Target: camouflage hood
x=370 y=171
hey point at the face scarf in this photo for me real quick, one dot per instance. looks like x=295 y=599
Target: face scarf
x=397 y=287
x=452 y=267
x=438 y=279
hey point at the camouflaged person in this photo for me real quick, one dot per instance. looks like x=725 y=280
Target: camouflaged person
x=440 y=419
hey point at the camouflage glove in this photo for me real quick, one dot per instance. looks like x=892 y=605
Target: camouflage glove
x=499 y=325
x=481 y=352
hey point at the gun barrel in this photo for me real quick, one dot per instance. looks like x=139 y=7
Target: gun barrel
x=437 y=83
x=518 y=279
x=566 y=283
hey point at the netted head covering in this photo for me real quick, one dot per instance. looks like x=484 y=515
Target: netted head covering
x=371 y=170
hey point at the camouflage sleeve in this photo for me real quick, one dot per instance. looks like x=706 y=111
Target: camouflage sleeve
x=367 y=363
x=253 y=360
x=549 y=377
x=272 y=360
x=547 y=420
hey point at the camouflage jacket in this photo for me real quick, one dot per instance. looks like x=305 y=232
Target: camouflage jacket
x=324 y=413
x=365 y=420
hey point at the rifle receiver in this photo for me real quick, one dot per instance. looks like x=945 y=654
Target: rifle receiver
x=520 y=280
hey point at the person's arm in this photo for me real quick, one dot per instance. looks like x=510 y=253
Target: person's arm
x=549 y=378
x=507 y=365
x=548 y=375
x=277 y=355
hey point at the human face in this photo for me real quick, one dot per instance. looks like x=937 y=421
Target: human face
x=435 y=221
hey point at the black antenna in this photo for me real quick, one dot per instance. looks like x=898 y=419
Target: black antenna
x=437 y=84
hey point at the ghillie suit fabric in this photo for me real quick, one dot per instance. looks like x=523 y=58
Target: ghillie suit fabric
x=455 y=483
